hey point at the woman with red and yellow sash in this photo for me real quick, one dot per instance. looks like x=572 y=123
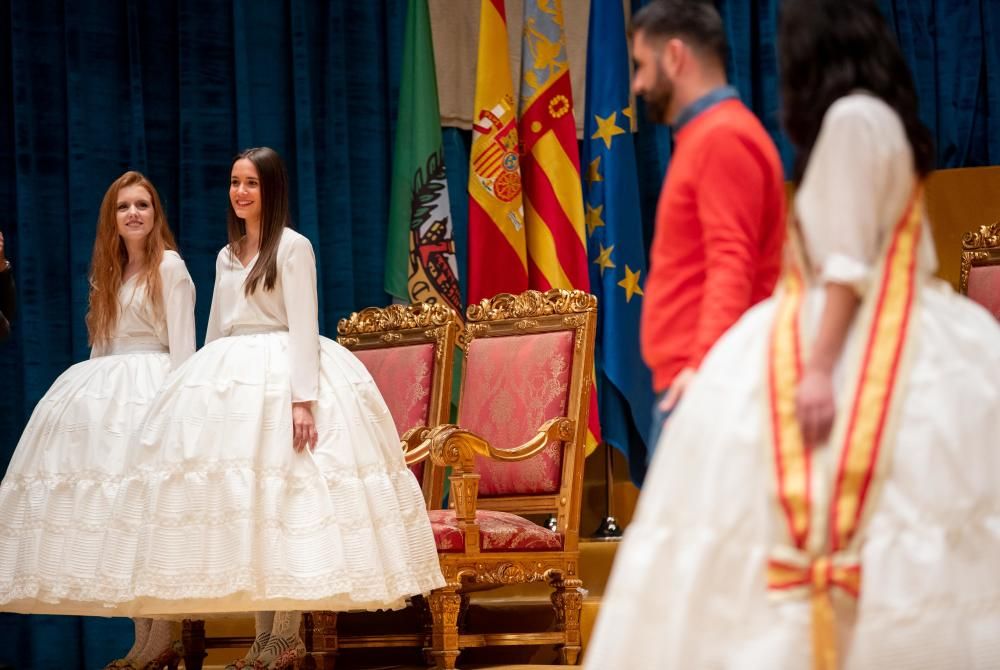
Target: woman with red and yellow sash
x=828 y=493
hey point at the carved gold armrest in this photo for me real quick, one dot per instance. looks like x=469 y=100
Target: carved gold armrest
x=415 y=445
x=452 y=445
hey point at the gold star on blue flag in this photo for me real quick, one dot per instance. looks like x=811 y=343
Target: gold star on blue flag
x=611 y=194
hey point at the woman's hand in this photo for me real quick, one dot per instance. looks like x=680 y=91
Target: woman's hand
x=814 y=406
x=303 y=427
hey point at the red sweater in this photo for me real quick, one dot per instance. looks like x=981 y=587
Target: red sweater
x=720 y=226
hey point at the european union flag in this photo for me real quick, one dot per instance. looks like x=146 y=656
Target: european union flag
x=616 y=256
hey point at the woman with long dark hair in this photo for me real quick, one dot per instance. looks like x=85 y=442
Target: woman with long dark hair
x=827 y=496
x=269 y=475
x=59 y=492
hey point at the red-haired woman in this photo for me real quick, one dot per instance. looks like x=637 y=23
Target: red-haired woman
x=58 y=495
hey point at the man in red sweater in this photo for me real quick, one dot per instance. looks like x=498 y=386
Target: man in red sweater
x=720 y=218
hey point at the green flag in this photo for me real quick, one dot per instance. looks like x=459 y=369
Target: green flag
x=420 y=263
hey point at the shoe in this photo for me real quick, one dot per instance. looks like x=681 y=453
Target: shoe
x=290 y=659
x=250 y=659
x=168 y=659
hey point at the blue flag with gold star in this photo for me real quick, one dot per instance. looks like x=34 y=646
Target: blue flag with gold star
x=615 y=251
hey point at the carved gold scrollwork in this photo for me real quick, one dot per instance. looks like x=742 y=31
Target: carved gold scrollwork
x=396 y=317
x=978 y=246
x=531 y=304
x=507 y=573
x=986 y=236
x=477 y=329
x=437 y=334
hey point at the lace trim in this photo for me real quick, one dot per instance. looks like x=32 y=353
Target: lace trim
x=104 y=592
x=205 y=520
x=17 y=481
x=215 y=467
x=402 y=519
x=416 y=577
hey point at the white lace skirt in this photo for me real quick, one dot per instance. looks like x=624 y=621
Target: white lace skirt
x=218 y=514
x=57 y=497
x=688 y=586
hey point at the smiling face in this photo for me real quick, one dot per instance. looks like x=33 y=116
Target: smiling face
x=244 y=190
x=134 y=213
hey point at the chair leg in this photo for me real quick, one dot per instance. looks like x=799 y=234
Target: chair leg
x=321 y=640
x=568 y=603
x=463 y=612
x=193 y=639
x=425 y=615
x=445 y=604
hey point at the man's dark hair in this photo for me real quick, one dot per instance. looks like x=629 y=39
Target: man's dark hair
x=696 y=22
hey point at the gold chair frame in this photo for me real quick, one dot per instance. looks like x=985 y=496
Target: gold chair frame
x=979 y=247
x=452 y=446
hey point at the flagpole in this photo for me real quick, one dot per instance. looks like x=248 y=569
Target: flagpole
x=608 y=531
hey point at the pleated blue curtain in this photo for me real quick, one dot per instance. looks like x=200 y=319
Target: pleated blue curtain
x=175 y=88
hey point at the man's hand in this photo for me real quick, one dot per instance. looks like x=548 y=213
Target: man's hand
x=677 y=388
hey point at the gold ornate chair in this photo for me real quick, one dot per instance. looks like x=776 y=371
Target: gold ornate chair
x=980 y=274
x=410 y=352
x=517 y=450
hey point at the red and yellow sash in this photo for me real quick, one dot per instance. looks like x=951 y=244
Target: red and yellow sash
x=823 y=517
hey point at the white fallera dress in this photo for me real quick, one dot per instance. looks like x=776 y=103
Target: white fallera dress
x=57 y=497
x=688 y=588
x=217 y=513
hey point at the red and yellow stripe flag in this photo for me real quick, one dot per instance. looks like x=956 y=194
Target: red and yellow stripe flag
x=497 y=240
x=550 y=163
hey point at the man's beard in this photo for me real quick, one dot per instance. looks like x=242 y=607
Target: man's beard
x=658 y=99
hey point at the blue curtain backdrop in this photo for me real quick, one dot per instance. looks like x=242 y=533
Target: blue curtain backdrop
x=174 y=88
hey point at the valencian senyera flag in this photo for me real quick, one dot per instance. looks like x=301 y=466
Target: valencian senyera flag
x=550 y=163
x=614 y=231
x=420 y=251
x=497 y=249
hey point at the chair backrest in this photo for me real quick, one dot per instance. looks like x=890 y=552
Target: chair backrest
x=980 y=275
x=529 y=358
x=410 y=352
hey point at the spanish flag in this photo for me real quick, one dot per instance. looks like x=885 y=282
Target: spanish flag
x=496 y=215
x=550 y=163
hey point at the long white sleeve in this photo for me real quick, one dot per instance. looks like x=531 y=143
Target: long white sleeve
x=214 y=330
x=178 y=303
x=298 y=285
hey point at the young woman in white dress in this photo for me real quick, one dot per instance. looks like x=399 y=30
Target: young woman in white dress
x=57 y=497
x=830 y=544
x=269 y=474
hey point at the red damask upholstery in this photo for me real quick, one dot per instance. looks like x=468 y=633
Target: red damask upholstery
x=519 y=383
x=403 y=377
x=984 y=287
x=498 y=531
